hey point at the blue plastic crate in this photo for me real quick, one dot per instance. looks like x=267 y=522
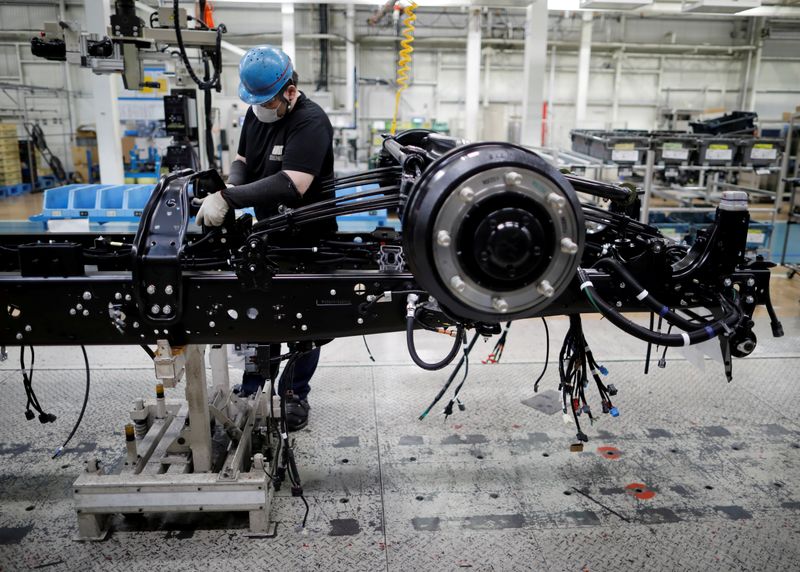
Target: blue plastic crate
x=14 y=190
x=98 y=203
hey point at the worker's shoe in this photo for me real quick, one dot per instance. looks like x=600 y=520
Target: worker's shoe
x=251 y=383
x=296 y=413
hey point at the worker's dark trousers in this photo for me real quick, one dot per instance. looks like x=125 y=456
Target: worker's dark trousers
x=304 y=369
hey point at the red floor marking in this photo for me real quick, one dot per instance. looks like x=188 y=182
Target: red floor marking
x=640 y=491
x=609 y=453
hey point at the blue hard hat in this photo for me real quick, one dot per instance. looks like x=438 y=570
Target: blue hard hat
x=263 y=73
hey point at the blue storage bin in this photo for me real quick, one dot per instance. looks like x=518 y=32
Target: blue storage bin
x=136 y=197
x=57 y=203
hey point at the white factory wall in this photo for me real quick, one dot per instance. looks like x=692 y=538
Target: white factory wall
x=648 y=80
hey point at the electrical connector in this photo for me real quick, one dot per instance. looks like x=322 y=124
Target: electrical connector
x=58 y=453
x=29 y=414
x=611 y=389
x=603 y=369
x=586 y=409
x=606 y=407
x=297 y=491
x=583 y=437
x=662 y=363
x=47 y=418
x=576 y=405
x=461 y=406
x=614 y=412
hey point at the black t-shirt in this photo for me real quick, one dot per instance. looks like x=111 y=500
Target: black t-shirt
x=301 y=141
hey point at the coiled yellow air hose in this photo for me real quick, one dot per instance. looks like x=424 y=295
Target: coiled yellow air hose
x=404 y=63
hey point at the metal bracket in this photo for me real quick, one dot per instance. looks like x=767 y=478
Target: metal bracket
x=391 y=259
x=169 y=363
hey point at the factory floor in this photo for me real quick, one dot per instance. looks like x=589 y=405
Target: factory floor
x=695 y=474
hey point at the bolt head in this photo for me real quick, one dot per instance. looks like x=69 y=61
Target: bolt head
x=304 y=327
x=360 y=320
x=151 y=289
x=749 y=299
x=87 y=295
x=512 y=179
x=545 y=289
x=168 y=289
x=333 y=292
x=28 y=328
x=500 y=304
x=86 y=312
x=727 y=282
x=128 y=297
x=253 y=244
x=458 y=284
x=19 y=336
x=72 y=311
x=443 y=238
x=252 y=268
x=212 y=324
x=299 y=316
x=466 y=194
x=155 y=309
x=117 y=296
x=568 y=246
x=136 y=325
x=167 y=309
x=556 y=200
x=79 y=306
x=751 y=282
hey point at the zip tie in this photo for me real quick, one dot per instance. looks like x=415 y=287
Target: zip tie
x=642 y=295
x=685 y=337
x=587 y=284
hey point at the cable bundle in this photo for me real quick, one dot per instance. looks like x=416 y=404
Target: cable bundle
x=575 y=363
x=497 y=352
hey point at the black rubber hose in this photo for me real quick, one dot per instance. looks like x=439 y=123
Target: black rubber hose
x=648 y=299
x=637 y=331
x=418 y=360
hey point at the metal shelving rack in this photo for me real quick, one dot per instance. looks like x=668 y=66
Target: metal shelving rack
x=709 y=189
x=794 y=197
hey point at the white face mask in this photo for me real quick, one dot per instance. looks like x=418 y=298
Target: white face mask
x=265 y=115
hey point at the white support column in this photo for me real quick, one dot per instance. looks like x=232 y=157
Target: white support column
x=584 y=58
x=287 y=30
x=350 y=60
x=757 y=64
x=615 y=96
x=533 y=74
x=106 y=113
x=551 y=96
x=472 y=91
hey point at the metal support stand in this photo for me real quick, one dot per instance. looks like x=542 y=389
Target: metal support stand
x=173 y=467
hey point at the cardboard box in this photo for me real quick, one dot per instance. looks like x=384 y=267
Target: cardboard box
x=128 y=143
x=82 y=157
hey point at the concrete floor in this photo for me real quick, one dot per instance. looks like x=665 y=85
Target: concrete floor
x=702 y=474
